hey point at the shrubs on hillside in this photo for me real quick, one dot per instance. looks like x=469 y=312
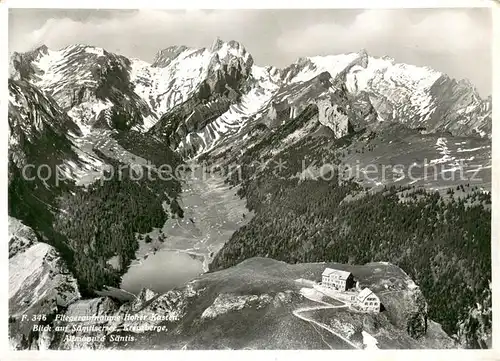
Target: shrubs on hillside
x=441 y=242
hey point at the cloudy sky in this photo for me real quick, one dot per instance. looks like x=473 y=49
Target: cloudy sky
x=455 y=41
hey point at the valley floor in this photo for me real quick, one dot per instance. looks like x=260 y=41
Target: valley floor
x=212 y=213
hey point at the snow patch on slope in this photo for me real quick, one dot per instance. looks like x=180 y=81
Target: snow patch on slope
x=251 y=103
x=48 y=65
x=333 y=64
x=55 y=67
x=369 y=341
x=86 y=113
x=96 y=51
x=442 y=147
x=164 y=88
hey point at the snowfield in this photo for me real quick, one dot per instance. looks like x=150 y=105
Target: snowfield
x=369 y=341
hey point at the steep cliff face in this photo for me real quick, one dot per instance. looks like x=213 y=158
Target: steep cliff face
x=40 y=285
x=85 y=78
x=38 y=127
x=20 y=64
x=416 y=96
x=43 y=157
x=459 y=108
x=189 y=124
x=362 y=111
x=101 y=89
x=338 y=110
x=165 y=56
x=413 y=317
x=351 y=92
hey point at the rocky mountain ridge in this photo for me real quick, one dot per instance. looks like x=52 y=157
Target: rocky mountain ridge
x=136 y=94
x=39 y=284
x=216 y=105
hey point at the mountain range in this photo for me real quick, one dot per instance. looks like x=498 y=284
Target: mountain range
x=81 y=110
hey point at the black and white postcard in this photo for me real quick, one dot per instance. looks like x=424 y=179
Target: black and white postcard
x=249 y=179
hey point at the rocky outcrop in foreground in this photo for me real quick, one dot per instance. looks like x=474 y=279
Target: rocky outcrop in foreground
x=40 y=287
x=251 y=306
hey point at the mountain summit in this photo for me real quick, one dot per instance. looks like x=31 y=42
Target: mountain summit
x=291 y=154
x=141 y=93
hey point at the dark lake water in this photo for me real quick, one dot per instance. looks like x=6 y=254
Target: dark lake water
x=161 y=272
x=212 y=213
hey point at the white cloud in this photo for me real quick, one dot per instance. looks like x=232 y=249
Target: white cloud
x=456 y=42
x=441 y=31
x=452 y=31
x=159 y=28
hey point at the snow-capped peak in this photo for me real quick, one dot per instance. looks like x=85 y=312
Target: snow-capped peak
x=216 y=45
x=175 y=74
x=73 y=76
x=406 y=87
x=40 y=51
x=57 y=70
x=178 y=71
x=307 y=68
x=232 y=48
x=304 y=69
x=165 y=56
